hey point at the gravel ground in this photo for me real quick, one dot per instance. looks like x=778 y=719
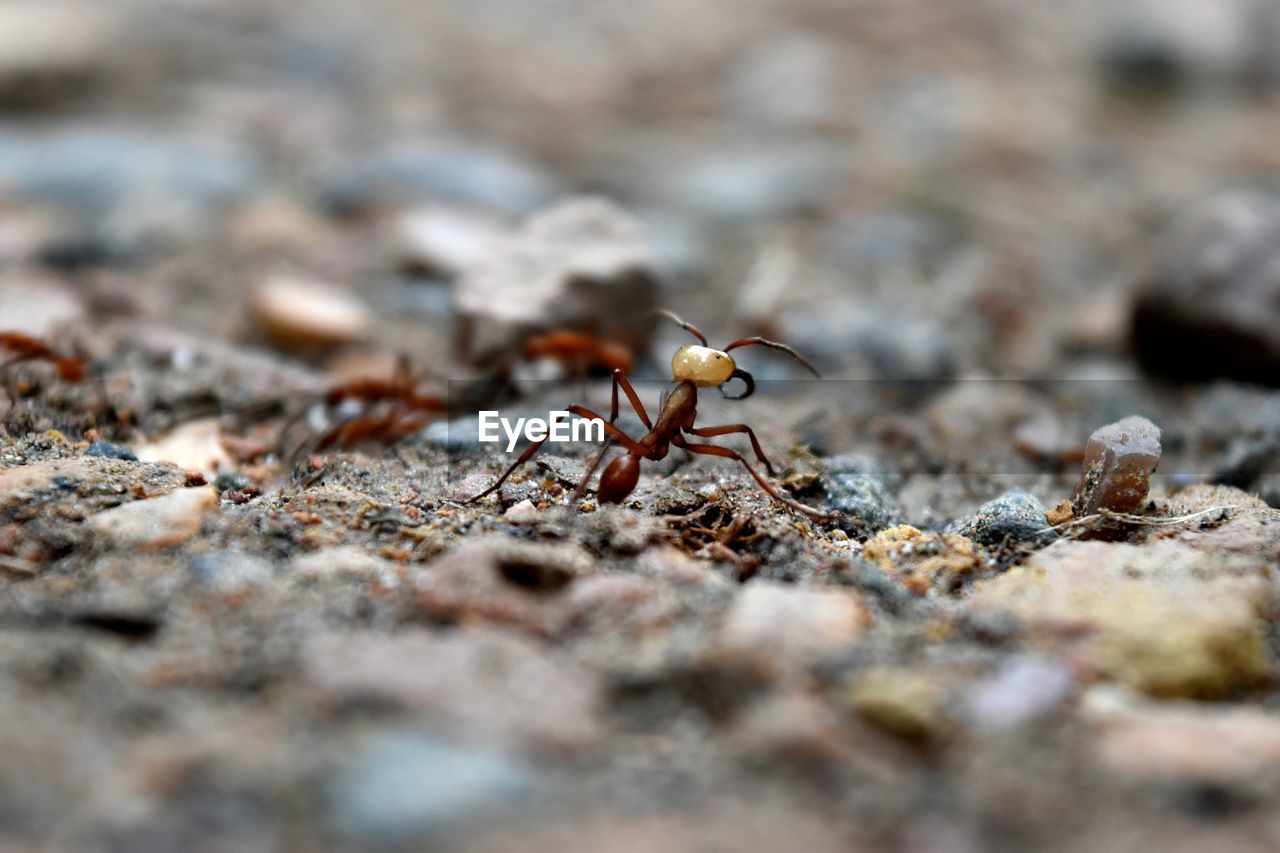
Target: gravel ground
x=241 y=610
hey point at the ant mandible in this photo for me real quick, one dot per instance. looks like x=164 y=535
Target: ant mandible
x=693 y=366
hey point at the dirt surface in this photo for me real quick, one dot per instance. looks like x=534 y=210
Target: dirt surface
x=239 y=612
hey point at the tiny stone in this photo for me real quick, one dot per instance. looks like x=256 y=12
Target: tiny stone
x=193 y=446
x=231 y=481
x=1013 y=517
x=523 y=512
x=859 y=486
x=299 y=314
x=111 y=451
x=159 y=522
x=1118 y=462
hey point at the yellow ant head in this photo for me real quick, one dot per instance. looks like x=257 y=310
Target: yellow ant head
x=703 y=366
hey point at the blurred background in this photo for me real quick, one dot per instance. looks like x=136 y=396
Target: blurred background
x=914 y=189
x=230 y=207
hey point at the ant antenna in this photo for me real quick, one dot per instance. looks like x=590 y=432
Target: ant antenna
x=688 y=327
x=774 y=345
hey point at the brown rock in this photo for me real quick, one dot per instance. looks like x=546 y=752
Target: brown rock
x=1119 y=460
x=299 y=314
x=159 y=522
x=1210 y=309
x=582 y=263
x=1165 y=617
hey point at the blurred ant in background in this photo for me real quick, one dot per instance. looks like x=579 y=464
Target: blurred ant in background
x=693 y=366
x=22 y=348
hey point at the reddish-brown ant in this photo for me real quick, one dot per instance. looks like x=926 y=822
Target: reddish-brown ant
x=26 y=347
x=581 y=352
x=694 y=366
x=391 y=409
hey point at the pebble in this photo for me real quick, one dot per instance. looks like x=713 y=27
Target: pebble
x=403 y=786
x=159 y=522
x=231 y=571
x=1024 y=689
x=906 y=704
x=441 y=241
x=769 y=621
x=924 y=561
x=52 y=48
x=302 y=314
x=1235 y=748
x=859 y=486
x=1209 y=310
x=193 y=446
x=111 y=451
x=347 y=561
x=523 y=512
x=581 y=263
x=1165 y=618
x=1119 y=460
x=1010 y=519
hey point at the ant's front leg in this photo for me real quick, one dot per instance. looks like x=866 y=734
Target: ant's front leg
x=728 y=429
x=614 y=433
x=619 y=380
x=729 y=453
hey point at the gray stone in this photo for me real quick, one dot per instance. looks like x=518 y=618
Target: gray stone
x=1012 y=518
x=859 y=486
x=404 y=786
x=582 y=263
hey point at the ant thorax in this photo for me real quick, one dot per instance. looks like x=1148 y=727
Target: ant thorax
x=703 y=366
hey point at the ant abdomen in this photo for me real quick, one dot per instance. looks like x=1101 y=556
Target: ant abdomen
x=619 y=479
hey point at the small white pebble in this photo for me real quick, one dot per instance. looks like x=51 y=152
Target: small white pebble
x=521 y=513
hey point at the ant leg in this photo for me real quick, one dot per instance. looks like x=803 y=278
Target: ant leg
x=620 y=379
x=582 y=486
x=524 y=457
x=618 y=435
x=728 y=453
x=581 y=411
x=712 y=431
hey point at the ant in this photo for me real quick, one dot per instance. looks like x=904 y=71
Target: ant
x=581 y=352
x=693 y=366
x=30 y=348
x=392 y=409
x=24 y=348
